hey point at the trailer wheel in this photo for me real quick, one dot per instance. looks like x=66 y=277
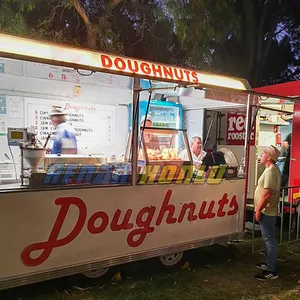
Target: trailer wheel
x=171 y=260
x=96 y=273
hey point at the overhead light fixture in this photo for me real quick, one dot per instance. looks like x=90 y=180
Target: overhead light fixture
x=51 y=53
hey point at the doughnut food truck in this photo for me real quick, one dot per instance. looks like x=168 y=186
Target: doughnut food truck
x=118 y=199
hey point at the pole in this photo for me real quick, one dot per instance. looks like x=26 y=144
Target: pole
x=281 y=219
x=247 y=131
x=208 y=132
x=246 y=164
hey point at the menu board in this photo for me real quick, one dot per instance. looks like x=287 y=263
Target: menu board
x=93 y=123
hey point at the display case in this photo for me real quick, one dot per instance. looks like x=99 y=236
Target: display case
x=160 y=150
x=161 y=145
x=164 y=152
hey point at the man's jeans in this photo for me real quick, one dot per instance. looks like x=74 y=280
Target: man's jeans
x=267 y=226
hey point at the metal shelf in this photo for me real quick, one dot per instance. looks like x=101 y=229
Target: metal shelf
x=274 y=124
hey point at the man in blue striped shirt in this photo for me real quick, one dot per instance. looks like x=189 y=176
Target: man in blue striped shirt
x=65 y=140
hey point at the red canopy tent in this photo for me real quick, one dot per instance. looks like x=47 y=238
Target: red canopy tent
x=282 y=89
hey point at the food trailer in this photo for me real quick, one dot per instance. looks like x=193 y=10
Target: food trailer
x=118 y=199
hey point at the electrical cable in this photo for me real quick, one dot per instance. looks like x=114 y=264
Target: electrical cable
x=13 y=159
x=147 y=110
x=92 y=72
x=135 y=115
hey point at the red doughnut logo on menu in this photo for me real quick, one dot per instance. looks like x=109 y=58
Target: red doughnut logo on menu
x=138 y=227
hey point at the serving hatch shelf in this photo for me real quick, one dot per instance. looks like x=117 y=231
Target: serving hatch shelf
x=273 y=123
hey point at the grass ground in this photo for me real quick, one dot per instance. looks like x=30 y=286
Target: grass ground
x=211 y=273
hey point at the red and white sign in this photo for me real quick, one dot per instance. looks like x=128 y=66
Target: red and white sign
x=236 y=130
x=87 y=59
x=63 y=228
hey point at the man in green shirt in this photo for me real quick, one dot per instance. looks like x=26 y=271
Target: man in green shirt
x=266 y=201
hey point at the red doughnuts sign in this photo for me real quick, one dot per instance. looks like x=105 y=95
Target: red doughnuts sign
x=236 y=130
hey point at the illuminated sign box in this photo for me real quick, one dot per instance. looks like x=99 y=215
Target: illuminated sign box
x=17 y=47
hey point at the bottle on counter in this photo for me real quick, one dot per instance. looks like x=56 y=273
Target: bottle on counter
x=241 y=171
x=113 y=158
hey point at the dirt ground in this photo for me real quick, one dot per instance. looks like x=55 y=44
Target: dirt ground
x=217 y=272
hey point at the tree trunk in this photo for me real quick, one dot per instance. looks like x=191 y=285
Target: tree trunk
x=90 y=28
x=251 y=37
x=265 y=49
x=91 y=32
x=115 y=2
x=265 y=37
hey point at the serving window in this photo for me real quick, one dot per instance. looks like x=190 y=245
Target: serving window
x=71 y=126
x=192 y=144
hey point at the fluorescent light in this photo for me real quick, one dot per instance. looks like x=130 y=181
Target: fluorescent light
x=11 y=46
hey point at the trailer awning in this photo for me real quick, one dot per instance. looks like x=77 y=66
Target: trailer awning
x=228 y=89
x=78 y=58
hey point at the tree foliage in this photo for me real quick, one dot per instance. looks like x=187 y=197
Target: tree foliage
x=240 y=37
x=255 y=39
x=12 y=16
x=200 y=25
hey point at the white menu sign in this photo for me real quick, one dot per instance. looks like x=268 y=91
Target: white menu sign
x=93 y=123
